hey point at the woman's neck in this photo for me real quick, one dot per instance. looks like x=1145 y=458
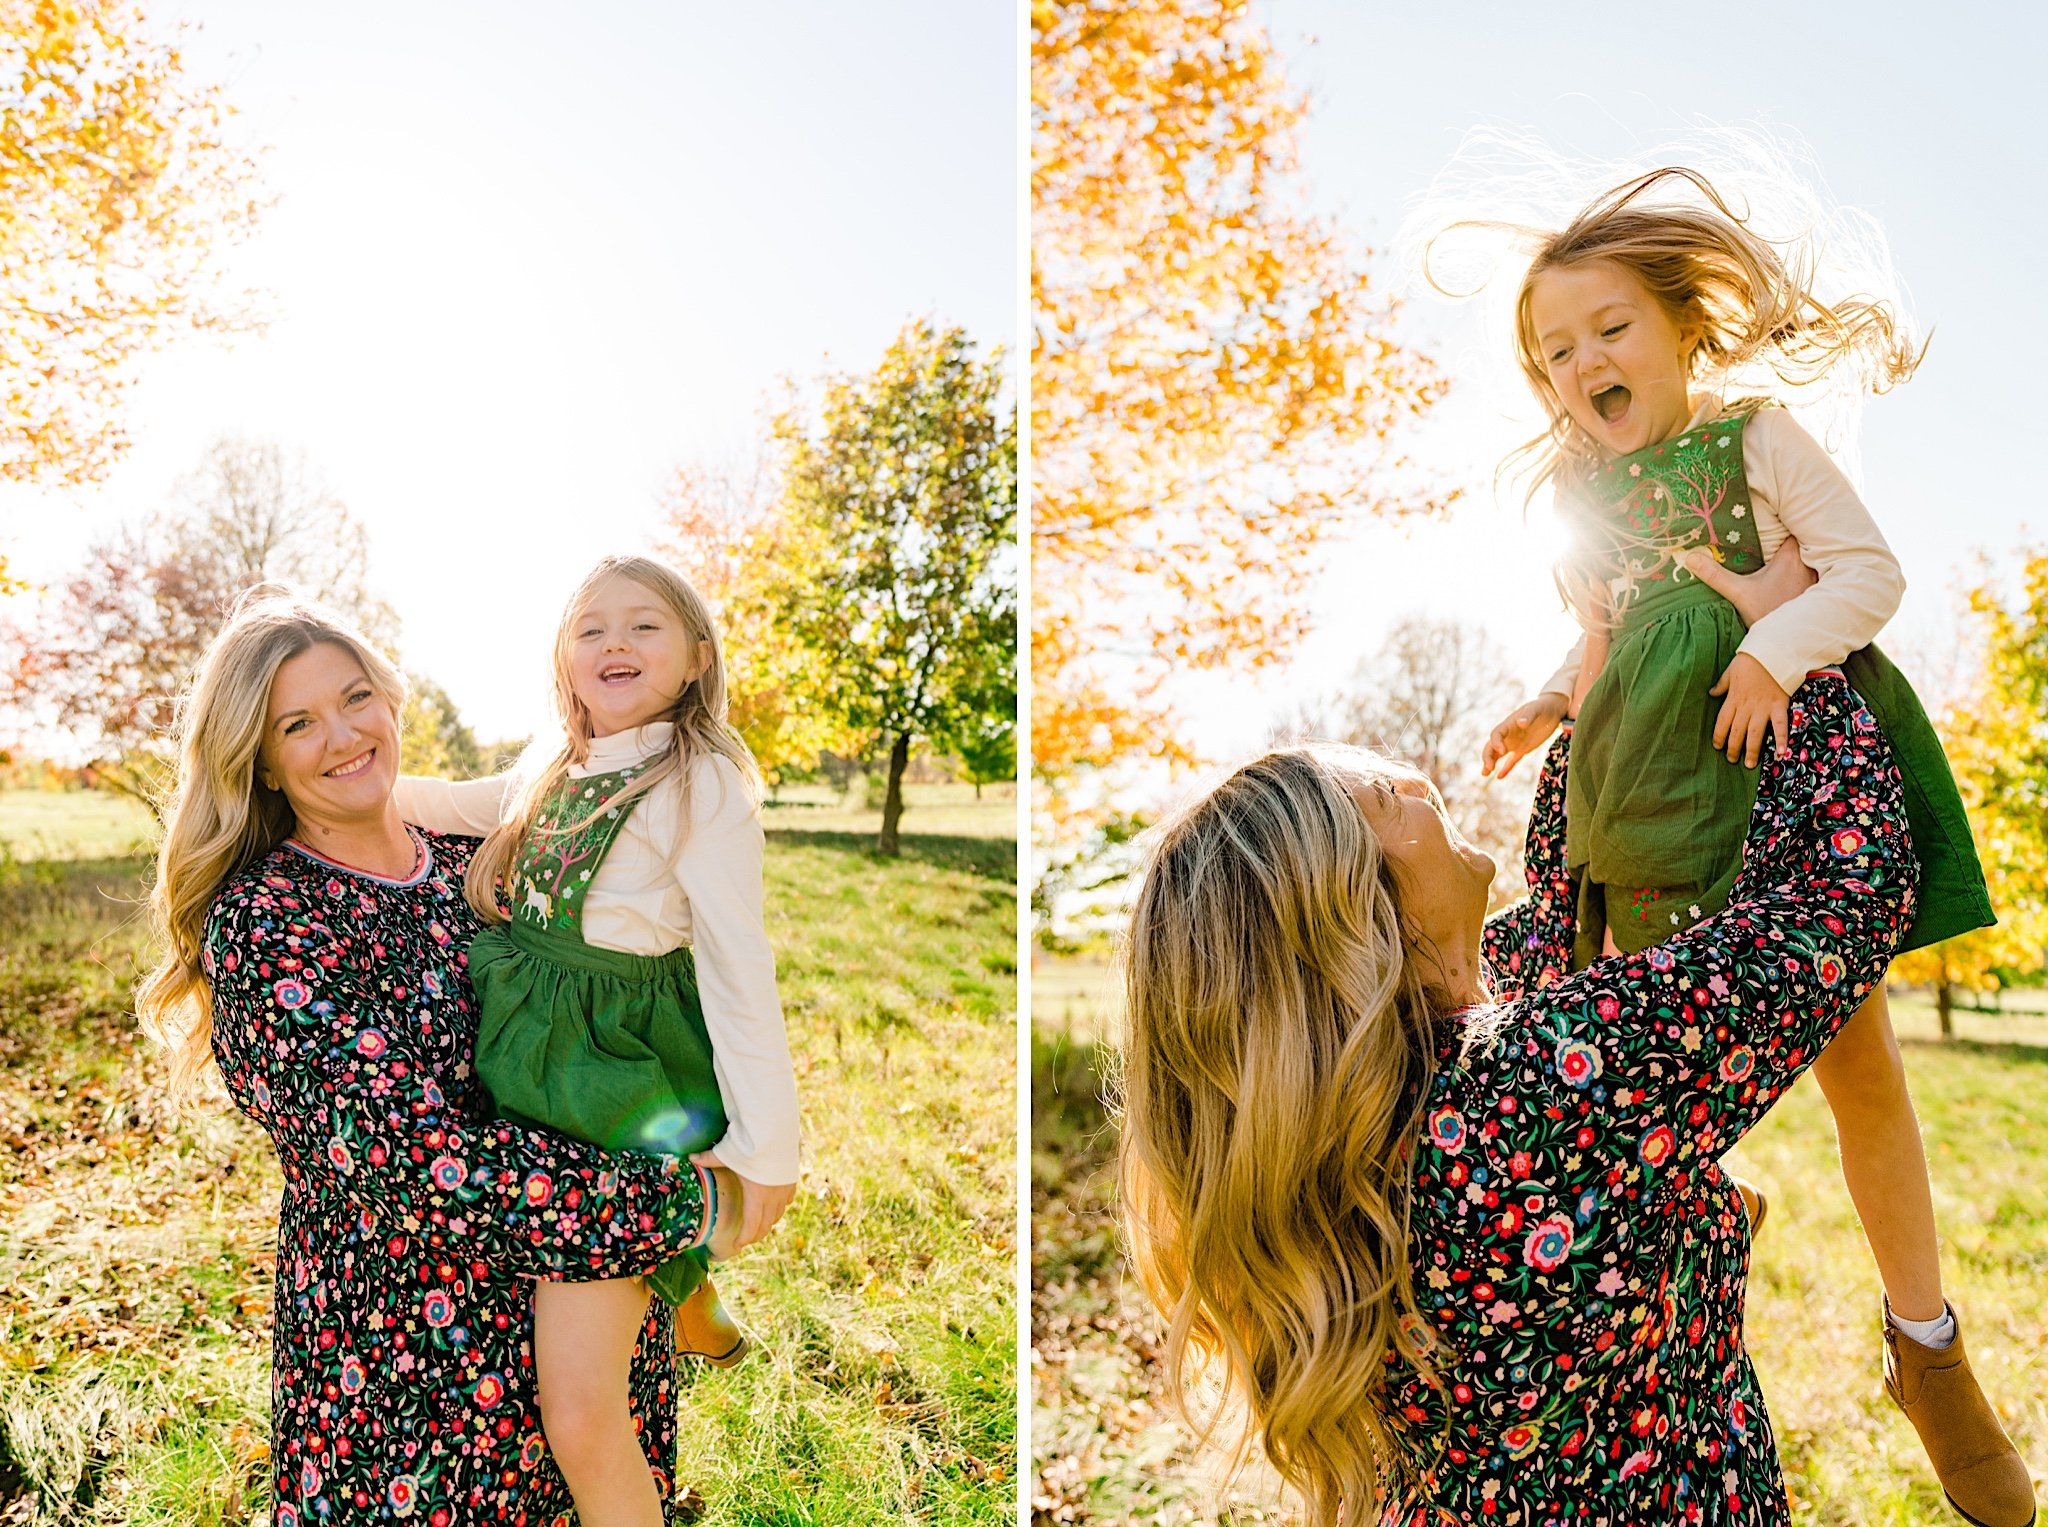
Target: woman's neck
x=378 y=844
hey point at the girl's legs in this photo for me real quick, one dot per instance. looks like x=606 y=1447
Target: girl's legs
x=583 y=1340
x=1878 y=1136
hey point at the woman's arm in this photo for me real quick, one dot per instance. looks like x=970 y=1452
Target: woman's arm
x=1671 y=1055
x=1529 y=945
x=469 y=806
x=313 y=1051
x=719 y=869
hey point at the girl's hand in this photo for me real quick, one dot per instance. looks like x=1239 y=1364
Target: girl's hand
x=1521 y=734
x=1754 y=706
x=763 y=1201
x=1754 y=595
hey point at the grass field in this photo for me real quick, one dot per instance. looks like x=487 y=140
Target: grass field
x=1106 y=1444
x=137 y=1248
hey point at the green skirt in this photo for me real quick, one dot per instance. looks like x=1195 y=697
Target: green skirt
x=605 y=1047
x=1655 y=815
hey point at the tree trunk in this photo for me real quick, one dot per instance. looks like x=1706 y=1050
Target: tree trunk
x=1945 y=1005
x=892 y=803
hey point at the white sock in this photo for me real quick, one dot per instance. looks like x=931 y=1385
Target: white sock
x=1936 y=1333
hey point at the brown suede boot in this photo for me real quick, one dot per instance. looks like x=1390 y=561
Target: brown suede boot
x=704 y=1329
x=1980 y=1471
x=1756 y=1203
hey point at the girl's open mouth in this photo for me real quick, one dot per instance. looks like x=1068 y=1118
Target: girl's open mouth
x=354 y=766
x=1612 y=402
x=618 y=673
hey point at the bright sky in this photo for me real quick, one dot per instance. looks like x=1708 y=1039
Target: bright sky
x=1931 y=125
x=528 y=258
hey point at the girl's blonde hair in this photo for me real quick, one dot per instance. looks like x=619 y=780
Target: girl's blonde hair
x=1277 y=1054
x=698 y=716
x=1751 y=302
x=219 y=820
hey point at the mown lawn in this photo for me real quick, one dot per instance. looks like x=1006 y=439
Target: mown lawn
x=137 y=1247
x=1107 y=1446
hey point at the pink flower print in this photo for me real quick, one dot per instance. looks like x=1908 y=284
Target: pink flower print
x=490 y=1389
x=1502 y=1312
x=1447 y=1130
x=1611 y=1282
x=371 y=1044
x=437 y=1309
x=290 y=994
x=353 y=1378
x=1578 y=1063
x=1846 y=843
x=539 y=1189
x=1638 y=1463
x=448 y=1173
x=1737 y=1063
x=1658 y=1145
x=402 y=1495
x=1548 y=1244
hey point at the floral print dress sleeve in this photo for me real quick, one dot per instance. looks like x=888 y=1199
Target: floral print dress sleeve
x=317 y=1047
x=1576 y=1250
x=1528 y=946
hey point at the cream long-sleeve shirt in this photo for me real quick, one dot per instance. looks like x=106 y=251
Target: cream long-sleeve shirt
x=1796 y=489
x=666 y=883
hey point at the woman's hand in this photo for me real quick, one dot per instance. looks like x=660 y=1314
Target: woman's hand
x=1754 y=595
x=1755 y=703
x=1521 y=734
x=763 y=1202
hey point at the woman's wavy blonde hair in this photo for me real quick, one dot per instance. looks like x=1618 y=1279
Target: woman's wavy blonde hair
x=218 y=819
x=1277 y=1053
x=698 y=715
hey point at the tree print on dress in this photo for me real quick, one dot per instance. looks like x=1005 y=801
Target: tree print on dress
x=570 y=835
x=1632 y=517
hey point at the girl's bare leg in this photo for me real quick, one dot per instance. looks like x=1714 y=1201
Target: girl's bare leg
x=1878 y=1136
x=583 y=1340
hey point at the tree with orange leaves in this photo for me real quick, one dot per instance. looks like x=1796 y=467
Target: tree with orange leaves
x=1215 y=394
x=118 y=187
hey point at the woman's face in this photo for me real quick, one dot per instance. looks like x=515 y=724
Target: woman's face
x=1443 y=878
x=330 y=741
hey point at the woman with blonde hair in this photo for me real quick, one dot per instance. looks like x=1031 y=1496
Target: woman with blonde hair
x=1447 y=1222
x=314 y=948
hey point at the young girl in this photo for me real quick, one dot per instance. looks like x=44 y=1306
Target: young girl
x=629 y=999
x=1629 y=325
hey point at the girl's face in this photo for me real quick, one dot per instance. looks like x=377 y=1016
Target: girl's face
x=1615 y=358
x=330 y=741
x=629 y=657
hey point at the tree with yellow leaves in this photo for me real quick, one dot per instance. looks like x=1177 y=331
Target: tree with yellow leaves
x=118 y=189
x=1215 y=392
x=1997 y=741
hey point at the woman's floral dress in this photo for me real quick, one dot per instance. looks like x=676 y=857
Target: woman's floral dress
x=412 y=1223
x=1578 y=1251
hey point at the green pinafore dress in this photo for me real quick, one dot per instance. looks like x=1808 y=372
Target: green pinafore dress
x=607 y=1047
x=1655 y=814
